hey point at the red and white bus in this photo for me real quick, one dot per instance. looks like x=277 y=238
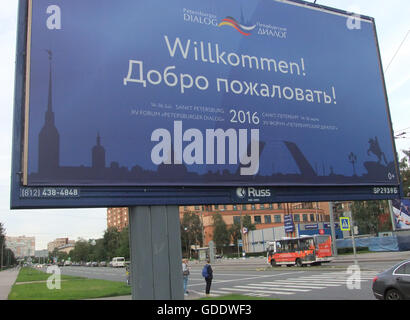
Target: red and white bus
x=305 y=250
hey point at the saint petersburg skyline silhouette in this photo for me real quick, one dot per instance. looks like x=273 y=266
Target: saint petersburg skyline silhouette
x=51 y=173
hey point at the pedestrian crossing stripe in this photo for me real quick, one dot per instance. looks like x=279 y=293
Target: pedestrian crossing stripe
x=260 y=291
x=293 y=285
x=280 y=288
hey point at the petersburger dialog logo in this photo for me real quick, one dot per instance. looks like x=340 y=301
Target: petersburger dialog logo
x=243 y=27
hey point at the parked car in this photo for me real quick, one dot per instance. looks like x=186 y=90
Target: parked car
x=103 y=264
x=67 y=263
x=118 y=262
x=88 y=264
x=393 y=283
x=94 y=264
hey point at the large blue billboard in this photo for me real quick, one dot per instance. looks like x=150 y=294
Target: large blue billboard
x=203 y=93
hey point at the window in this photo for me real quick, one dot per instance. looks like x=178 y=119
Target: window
x=296 y=217
x=235 y=207
x=278 y=218
x=196 y=207
x=216 y=207
x=257 y=219
x=270 y=206
x=268 y=219
x=312 y=217
x=404 y=269
x=305 y=219
x=244 y=207
x=261 y=206
x=253 y=207
x=279 y=206
x=236 y=219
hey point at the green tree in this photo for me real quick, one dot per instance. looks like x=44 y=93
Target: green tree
x=221 y=235
x=124 y=244
x=81 y=251
x=404 y=166
x=111 y=242
x=191 y=231
x=368 y=216
x=8 y=257
x=235 y=232
x=247 y=223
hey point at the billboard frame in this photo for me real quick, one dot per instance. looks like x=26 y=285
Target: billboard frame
x=25 y=197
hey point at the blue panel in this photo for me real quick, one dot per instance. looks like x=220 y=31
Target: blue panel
x=143 y=102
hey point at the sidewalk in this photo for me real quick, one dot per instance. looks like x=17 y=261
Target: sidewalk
x=7 y=279
x=374 y=256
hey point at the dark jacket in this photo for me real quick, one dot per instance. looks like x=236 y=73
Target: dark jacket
x=210 y=272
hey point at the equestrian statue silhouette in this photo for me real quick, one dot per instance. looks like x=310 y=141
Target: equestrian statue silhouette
x=375 y=149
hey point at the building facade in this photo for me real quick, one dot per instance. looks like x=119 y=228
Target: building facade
x=21 y=246
x=58 y=243
x=261 y=215
x=117 y=218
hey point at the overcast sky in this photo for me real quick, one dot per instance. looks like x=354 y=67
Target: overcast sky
x=392 y=22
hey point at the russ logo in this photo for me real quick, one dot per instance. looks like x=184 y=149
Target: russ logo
x=245 y=30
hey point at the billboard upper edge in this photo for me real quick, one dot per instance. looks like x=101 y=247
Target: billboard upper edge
x=331 y=10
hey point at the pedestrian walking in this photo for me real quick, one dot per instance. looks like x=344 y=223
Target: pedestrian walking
x=185 y=274
x=207 y=273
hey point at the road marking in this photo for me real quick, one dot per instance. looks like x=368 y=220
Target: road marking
x=274 y=288
x=251 y=278
x=259 y=291
x=302 y=282
x=292 y=285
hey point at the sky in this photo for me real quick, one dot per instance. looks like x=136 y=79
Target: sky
x=393 y=29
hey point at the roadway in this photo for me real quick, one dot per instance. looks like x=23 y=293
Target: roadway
x=252 y=276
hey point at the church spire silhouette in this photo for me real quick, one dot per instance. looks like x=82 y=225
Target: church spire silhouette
x=49 y=138
x=98 y=154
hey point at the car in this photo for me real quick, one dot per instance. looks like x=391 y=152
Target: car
x=88 y=264
x=67 y=263
x=103 y=264
x=393 y=283
x=118 y=262
x=94 y=264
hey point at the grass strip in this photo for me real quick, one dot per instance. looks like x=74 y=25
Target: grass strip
x=236 y=297
x=72 y=288
x=27 y=274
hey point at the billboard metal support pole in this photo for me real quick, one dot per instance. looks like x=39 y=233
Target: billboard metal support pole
x=350 y=215
x=155 y=249
x=332 y=229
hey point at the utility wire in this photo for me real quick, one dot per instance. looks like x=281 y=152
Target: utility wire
x=397 y=51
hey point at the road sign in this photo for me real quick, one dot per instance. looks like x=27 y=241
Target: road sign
x=344 y=223
x=288 y=223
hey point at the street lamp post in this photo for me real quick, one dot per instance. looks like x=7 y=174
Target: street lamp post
x=188 y=253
